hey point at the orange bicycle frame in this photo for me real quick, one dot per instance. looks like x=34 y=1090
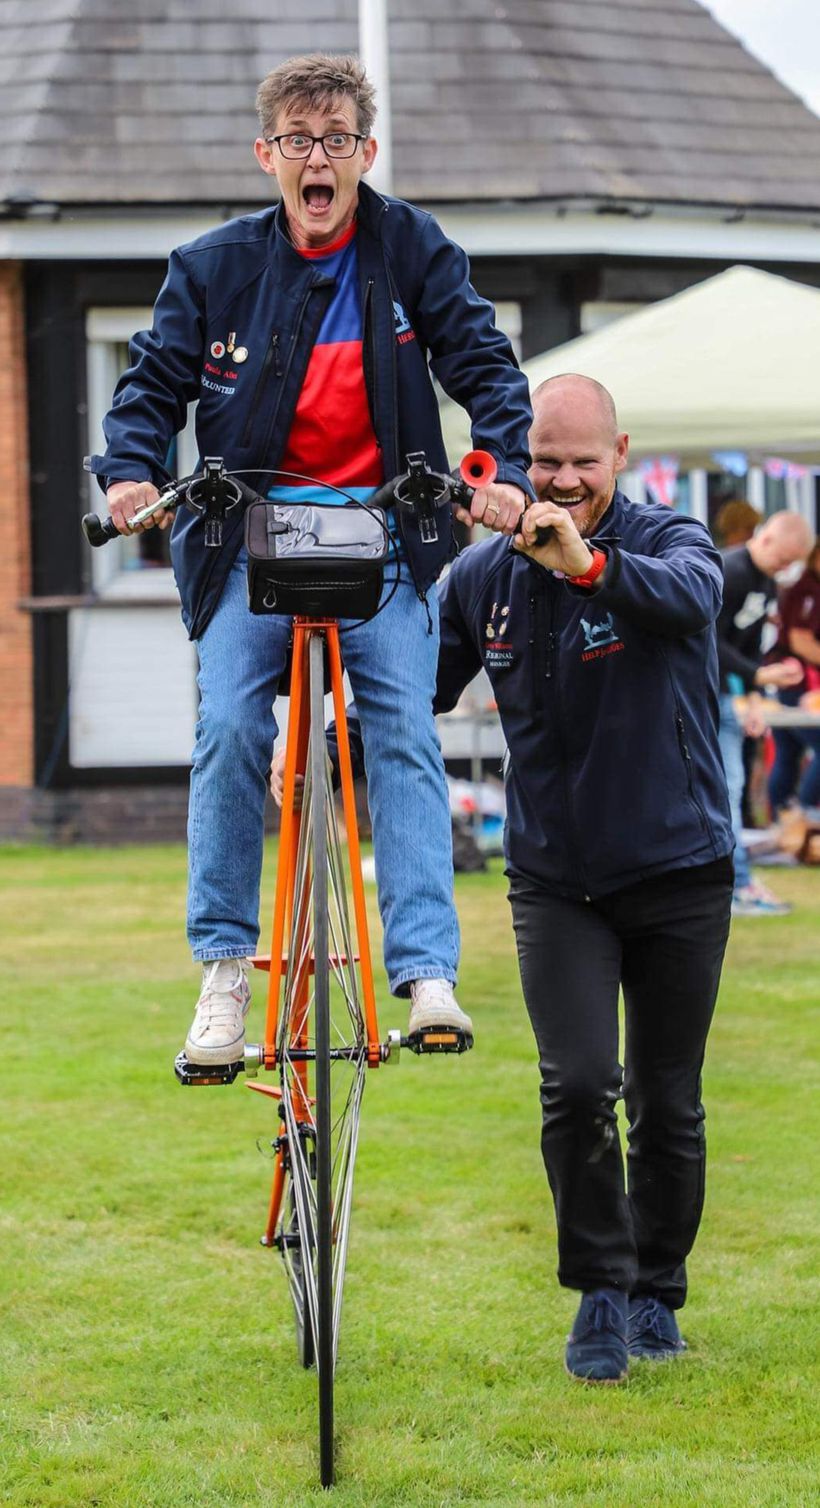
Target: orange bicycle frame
x=296 y=756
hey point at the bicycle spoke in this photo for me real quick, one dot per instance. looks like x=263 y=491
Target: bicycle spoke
x=347 y=973
x=305 y=1203
x=342 y=1208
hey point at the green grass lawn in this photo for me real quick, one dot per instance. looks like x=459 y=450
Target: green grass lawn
x=147 y=1354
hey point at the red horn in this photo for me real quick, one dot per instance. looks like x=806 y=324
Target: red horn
x=478 y=469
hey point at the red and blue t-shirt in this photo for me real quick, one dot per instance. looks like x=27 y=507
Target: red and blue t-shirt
x=331 y=437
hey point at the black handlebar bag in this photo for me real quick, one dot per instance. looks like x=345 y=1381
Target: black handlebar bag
x=317 y=559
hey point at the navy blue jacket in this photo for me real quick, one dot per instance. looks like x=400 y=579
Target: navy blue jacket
x=608 y=700
x=246 y=278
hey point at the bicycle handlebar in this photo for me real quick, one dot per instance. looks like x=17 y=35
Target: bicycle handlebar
x=215 y=493
x=100 y=531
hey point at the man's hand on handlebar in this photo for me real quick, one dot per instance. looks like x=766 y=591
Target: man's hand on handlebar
x=127 y=498
x=498 y=506
x=563 y=549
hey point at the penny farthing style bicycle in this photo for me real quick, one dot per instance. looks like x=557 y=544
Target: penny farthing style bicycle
x=317 y=563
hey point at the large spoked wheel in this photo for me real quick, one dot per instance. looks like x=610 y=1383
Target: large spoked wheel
x=325 y=1357
x=323 y=1057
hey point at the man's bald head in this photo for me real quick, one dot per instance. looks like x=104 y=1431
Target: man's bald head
x=575 y=446
x=582 y=394
x=784 y=538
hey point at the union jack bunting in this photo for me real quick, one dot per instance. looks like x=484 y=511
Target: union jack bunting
x=780 y=470
x=660 y=474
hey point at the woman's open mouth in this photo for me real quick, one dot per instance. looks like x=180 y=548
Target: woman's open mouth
x=317 y=198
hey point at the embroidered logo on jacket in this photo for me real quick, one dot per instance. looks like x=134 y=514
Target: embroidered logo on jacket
x=498 y=652
x=404 y=332
x=218 y=387
x=228 y=374
x=600 y=639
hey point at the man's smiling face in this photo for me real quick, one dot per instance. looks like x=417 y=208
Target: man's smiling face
x=576 y=450
x=320 y=193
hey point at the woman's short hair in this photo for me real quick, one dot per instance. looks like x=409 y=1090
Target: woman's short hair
x=316 y=81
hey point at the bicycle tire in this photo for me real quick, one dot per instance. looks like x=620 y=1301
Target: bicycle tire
x=322 y=1054
x=324 y=1344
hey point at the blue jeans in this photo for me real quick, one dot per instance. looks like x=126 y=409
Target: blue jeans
x=791 y=745
x=730 y=735
x=391 y=662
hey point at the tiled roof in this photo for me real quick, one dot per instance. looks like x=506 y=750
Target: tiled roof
x=123 y=102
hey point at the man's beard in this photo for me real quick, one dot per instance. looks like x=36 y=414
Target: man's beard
x=588 y=511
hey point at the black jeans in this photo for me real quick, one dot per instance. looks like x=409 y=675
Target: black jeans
x=663 y=941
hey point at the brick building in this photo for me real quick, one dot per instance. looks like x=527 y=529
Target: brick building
x=591 y=157
x=16 y=646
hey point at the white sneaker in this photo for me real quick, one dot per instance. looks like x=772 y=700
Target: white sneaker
x=217 y=1033
x=434 y=1004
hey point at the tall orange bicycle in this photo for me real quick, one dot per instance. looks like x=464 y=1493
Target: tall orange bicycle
x=321 y=1028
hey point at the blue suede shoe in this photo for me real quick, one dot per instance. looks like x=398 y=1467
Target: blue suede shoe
x=596 y=1349
x=652 y=1329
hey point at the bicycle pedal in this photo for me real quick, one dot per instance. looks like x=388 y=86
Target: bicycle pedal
x=439 y=1039
x=205 y=1073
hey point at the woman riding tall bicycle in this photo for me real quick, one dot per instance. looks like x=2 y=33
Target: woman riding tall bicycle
x=305 y=332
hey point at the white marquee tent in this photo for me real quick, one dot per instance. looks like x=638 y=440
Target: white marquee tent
x=732 y=364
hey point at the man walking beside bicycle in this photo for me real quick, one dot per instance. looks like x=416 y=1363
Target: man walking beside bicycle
x=618 y=846
x=304 y=332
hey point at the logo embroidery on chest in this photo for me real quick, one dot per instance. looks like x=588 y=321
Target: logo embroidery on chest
x=222 y=351
x=498 y=652
x=404 y=331
x=600 y=639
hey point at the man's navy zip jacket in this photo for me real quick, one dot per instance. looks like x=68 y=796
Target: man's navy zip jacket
x=608 y=700
x=246 y=278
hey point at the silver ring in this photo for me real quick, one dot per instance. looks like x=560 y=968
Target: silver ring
x=492 y=508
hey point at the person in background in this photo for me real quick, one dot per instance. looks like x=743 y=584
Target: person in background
x=749 y=588
x=735 y=522
x=799 y=635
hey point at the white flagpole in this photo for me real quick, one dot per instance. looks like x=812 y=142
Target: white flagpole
x=375 y=55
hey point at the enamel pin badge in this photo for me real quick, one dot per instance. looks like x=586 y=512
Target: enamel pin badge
x=220 y=348
x=237 y=353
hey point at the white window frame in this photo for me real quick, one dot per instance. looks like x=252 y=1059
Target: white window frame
x=106 y=329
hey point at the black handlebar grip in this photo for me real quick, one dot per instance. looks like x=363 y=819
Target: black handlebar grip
x=98 y=533
x=544 y=534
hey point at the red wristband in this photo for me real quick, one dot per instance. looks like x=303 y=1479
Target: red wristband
x=599 y=560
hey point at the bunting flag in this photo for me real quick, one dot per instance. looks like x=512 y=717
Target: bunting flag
x=660 y=474
x=782 y=471
x=733 y=461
